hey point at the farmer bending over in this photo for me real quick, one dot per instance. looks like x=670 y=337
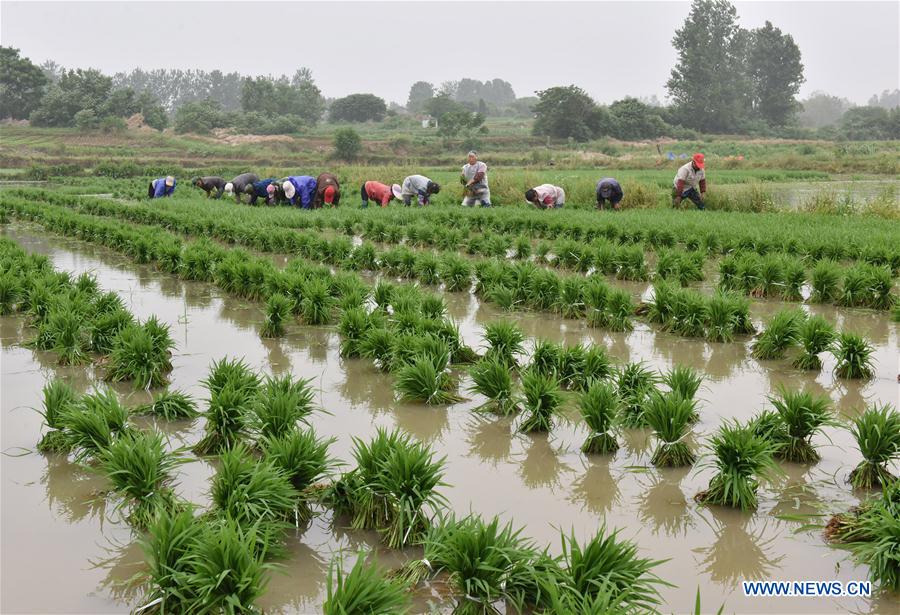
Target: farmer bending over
x=300 y=190
x=417 y=186
x=238 y=185
x=608 y=189
x=210 y=185
x=328 y=191
x=260 y=189
x=690 y=182
x=378 y=192
x=546 y=196
x=164 y=186
x=474 y=178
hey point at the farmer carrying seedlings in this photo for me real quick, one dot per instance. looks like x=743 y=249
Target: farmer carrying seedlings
x=546 y=196
x=417 y=186
x=210 y=184
x=300 y=190
x=164 y=186
x=608 y=189
x=328 y=191
x=690 y=182
x=474 y=178
x=378 y=192
x=260 y=189
x=238 y=185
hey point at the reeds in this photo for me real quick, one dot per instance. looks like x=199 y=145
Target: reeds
x=877 y=435
x=854 y=356
x=599 y=406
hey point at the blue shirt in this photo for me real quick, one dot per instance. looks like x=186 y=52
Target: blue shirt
x=260 y=187
x=160 y=189
x=306 y=190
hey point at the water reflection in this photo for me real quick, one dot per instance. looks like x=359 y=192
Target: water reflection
x=73 y=492
x=123 y=565
x=637 y=442
x=664 y=507
x=426 y=423
x=489 y=438
x=596 y=490
x=737 y=553
x=541 y=466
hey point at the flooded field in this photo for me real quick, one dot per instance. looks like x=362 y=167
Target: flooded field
x=58 y=529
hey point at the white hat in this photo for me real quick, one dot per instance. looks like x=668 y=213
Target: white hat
x=229 y=187
x=170 y=181
x=398 y=191
x=289 y=190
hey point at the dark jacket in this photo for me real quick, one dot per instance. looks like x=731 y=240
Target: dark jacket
x=211 y=184
x=240 y=182
x=259 y=189
x=610 y=186
x=322 y=182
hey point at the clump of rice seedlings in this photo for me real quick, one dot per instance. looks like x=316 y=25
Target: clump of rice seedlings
x=881 y=284
x=93 y=422
x=854 y=356
x=169 y=552
x=630 y=264
x=140 y=469
x=541 y=400
x=882 y=553
x=141 y=354
x=171 y=406
x=571 y=365
x=105 y=329
x=427 y=268
x=570 y=303
x=688 y=314
x=771 y=277
x=803 y=415
x=278 y=310
x=504 y=339
x=794 y=278
x=353 y=325
x=635 y=383
x=280 y=406
x=619 y=310
x=234 y=372
x=227 y=419
x=365 y=589
x=301 y=455
x=780 y=334
x=545 y=356
x=683 y=380
x=741 y=459
x=383 y=294
x=670 y=416
x=825 y=281
x=503 y=296
x=57 y=397
x=543 y=289
x=378 y=345
x=433 y=306
x=877 y=435
x=867 y=286
x=456 y=272
x=599 y=406
x=596 y=293
x=426 y=379
x=769 y=425
x=594 y=365
x=317 y=303
x=542 y=252
x=815 y=336
x=491 y=378
x=67 y=335
x=11 y=291
x=661 y=308
x=522 y=247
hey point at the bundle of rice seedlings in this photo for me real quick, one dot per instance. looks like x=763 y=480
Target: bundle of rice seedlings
x=433 y=306
x=456 y=272
x=670 y=416
x=105 y=329
x=234 y=372
x=881 y=283
x=301 y=455
x=141 y=354
x=504 y=339
x=815 y=336
x=140 y=469
x=741 y=459
x=426 y=379
x=619 y=310
x=780 y=334
x=365 y=589
x=594 y=365
x=545 y=356
x=854 y=356
x=861 y=523
x=635 y=383
x=882 y=553
x=67 y=335
x=721 y=319
x=543 y=289
x=877 y=435
x=570 y=303
x=522 y=247
x=353 y=325
x=596 y=292
x=825 y=281
x=541 y=399
x=280 y=406
x=317 y=303
x=169 y=553
x=448 y=332
x=278 y=310
x=377 y=345
x=93 y=422
x=383 y=294
x=11 y=291
x=491 y=378
x=571 y=365
x=661 y=307
x=794 y=279
x=227 y=419
x=599 y=406
x=688 y=314
x=802 y=415
x=771 y=277
x=171 y=406
x=57 y=397
x=683 y=380
x=630 y=264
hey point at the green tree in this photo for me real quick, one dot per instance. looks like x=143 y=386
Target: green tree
x=347 y=144
x=871 y=123
x=455 y=122
x=822 y=109
x=776 y=73
x=419 y=94
x=22 y=84
x=308 y=103
x=76 y=90
x=358 y=108
x=441 y=105
x=199 y=117
x=271 y=97
x=152 y=110
x=633 y=120
x=565 y=111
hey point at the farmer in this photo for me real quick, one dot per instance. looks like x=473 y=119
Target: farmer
x=690 y=182
x=378 y=192
x=238 y=185
x=417 y=186
x=210 y=184
x=328 y=191
x=300 y=190
x=164 y=186
x=260 y=189
x=546 y=196
x=608 y=189
x=474 y=178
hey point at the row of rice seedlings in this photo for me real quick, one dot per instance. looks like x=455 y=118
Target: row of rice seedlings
x=770 y=275
x=689 y=313
x=171 y=406
x=576 y=367
x=869 y=286
x=685 y=267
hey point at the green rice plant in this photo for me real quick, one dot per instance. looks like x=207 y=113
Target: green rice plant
x=541 y=400
x=543 y=289
x=58 y=396
x=278 y=310
x=661 y=308
x=108 y=302
x=594 y=365
x=689 y=314
x=171 y=406
x=545 y=356
x=383 y=294
x=769 y=426
x=280 y=406
x=301 y=455
x=68 y=336
x=504 y=339
x=596 y=292
x=377 y=344
x=721 y=319
x=140 y=469
x=426 y=379
x=825 y=280
x=137 y=356
x=570 y=366
x=881 y=284
x=771 y=277
x=877 y=435
x=169 y=552
x=570 y=303
x=428 y=268
x=854 y=356
x=522 y=247
x=855 y=291
x=599 y=406
x=882 y=553
x=227 y=419
x=234 y=372
x=87 y=283
x=635 y=383
x=541 y=252
x=503 y=296
x=670 y=416
x=683 y=380
x=317 y=303
x=794 y=279
x=456 y=272
x=781 y=333
x=433 y=306
x=491 y=378
x=803 y=416
x=92 y=423
x=741 y=459
x=11 y=292
x=105 y=329
x=365 y=589
x=630 y=264
x=815 y=336
x=619 y=310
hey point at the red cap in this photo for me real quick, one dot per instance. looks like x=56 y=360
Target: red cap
x=329 y=194
x=698 y=160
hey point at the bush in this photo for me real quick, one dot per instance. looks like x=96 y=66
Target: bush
x=347 y=144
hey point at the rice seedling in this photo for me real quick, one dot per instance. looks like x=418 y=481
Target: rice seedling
x=780 y=334
x=456 y=272
x=599 y=406
x=541 y=400
x=545 y=356
x=543 y=289
x=854 y=356
x=365 y=589
x=570 y=367
x=280 y=406
x=140 y=356
x=227 y=419
x=58 y=396
x=105 y=329
x=278 y=310
x=426 y=379
x=769 y=426
x=661 y=307
x=881 y=284
x=855 y=291
x=504 y=339
x=87 y=283
x=741 y=459
x=683 y=380
x=169 y=551
x=317 y=303
x=378 y=345
x=670 y=416
x=67 y=335
x=234 y=372
x=570 y=303
x=635 y=383
x=140 y=469
x=11 y=292
x=171 y=406
x=803 y=415
x=619 y=310
x=301 y=455
x=815 y=336
x=93 y=422
x=630 y=264
x=596 y=292
x=522 y=247
x=771 y=277
x=877 y=435
x=383 y=294
x=491 y=378
x=882 y=553
x=794 y=279
x=825 y=281
x=433 y=306
x=689 y=314
x=594 y=365
x=427 y=268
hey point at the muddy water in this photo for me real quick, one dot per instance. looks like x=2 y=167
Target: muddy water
x=55 y=528
x=794 y=194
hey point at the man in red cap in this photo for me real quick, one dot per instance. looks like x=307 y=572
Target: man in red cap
x=328 y=191
x=690 y=182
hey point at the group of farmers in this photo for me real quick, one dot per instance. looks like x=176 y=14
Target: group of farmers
x=310 y=192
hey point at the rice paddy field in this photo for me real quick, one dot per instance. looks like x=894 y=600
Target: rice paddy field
x=210 y=407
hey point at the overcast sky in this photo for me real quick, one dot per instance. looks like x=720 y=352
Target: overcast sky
x=611 y=49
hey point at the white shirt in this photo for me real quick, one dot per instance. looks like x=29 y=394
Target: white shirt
x=690 y=177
